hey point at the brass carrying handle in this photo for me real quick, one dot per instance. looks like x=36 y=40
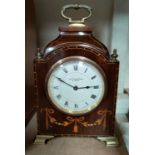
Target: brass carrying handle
x=76 y=7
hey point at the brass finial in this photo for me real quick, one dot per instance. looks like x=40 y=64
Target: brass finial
x=114 y=55
x=39 y=55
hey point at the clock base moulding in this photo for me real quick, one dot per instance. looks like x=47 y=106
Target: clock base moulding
x=108 y=141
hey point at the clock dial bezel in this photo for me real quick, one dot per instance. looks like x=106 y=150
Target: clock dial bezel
x=79 y=58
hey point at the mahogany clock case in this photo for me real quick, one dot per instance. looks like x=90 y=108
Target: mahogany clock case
x=100 y=121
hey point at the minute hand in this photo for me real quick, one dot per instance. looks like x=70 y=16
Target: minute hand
x=64 y=82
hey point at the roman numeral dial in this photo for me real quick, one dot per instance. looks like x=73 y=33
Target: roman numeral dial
x=93 y=96
x=76 y=105
x=66 y=103
x=93 y=77
x=65 y=70
x=75 y=67
x=76 y=85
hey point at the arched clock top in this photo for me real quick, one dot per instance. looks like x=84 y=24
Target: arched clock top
x=75 y=35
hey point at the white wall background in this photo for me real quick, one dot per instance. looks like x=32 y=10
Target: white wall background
x=120 y=40
x=109 y=19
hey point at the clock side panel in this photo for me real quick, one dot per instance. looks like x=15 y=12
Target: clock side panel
x=100 y=121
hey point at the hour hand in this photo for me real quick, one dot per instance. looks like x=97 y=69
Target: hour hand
x=86 y=87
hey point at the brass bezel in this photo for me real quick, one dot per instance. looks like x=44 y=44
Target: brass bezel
x=58 y=63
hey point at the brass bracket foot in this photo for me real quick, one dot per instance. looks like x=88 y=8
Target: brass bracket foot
x=109 y=141
x=42 y=139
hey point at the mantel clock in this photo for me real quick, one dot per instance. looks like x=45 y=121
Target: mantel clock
x=76 y=84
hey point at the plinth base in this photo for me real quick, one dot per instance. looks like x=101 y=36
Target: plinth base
x=109 y=141
x=42 y=139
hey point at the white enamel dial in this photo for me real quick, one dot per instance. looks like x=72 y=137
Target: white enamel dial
x=76 y=85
